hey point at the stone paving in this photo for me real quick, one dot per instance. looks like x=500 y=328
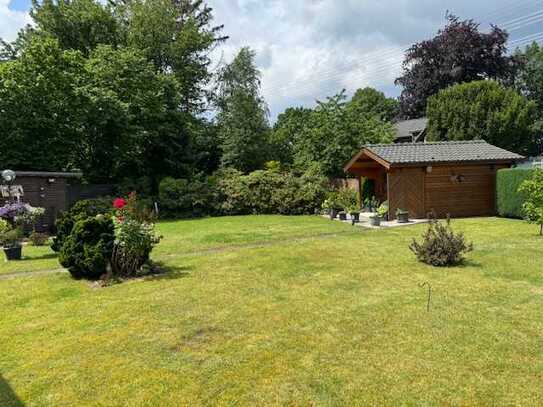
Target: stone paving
x=365 y=221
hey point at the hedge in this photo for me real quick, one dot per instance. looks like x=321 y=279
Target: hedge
x=509 y=200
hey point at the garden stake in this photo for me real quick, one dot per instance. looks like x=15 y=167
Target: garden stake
x=429 y=294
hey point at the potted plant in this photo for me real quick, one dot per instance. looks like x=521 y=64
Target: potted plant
x=16 y=216
x=375 y=220
x=402 y=215
x=342 y=215
x=382 y=211
x=355 y=214
x=10 y=240
x=371 y=204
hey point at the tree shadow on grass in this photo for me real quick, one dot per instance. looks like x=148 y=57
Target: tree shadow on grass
x=162 y=271
x=470 y=263
x=8 y=397
x=41 y=257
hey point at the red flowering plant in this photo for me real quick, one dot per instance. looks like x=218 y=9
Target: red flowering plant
x=135 y=236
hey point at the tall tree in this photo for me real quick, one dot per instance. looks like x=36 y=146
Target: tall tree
x=284 y=137
x=242 y=118
x=333 y=135
x=40 y=107
x=369 y=102
x=483 y=110
x=458 y=53
x=177 y=36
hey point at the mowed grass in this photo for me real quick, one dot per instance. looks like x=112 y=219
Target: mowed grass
x=334 y=316
x=188 y=236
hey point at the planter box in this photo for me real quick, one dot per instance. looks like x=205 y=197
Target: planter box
x=342 y=216
x=13 y=253
x=375 y=221
x=403 y=217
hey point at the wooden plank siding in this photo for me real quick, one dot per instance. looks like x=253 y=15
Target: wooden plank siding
x=461 y=190
x=406 y=190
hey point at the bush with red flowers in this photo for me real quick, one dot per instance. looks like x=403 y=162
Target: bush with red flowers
x=114 y=243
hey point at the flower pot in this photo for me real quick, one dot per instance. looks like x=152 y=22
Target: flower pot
x=375 y=221
x=342 y=216
x=355 y=217
x=13 y=253
x=403 y=217
x=333 y=213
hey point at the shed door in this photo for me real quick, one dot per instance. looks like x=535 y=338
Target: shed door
x=406 y=191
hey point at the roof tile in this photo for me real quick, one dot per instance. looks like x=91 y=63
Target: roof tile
x=442 y=152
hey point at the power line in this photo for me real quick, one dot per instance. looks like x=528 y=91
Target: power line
x=391 y=60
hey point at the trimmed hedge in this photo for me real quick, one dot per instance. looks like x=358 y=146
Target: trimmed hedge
x=509 y=200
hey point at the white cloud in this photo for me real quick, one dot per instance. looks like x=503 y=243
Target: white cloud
x=11 y=21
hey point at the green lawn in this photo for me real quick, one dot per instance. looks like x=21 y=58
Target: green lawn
x=271 y=310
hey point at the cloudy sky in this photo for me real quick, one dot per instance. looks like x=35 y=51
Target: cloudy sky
x=308 y=49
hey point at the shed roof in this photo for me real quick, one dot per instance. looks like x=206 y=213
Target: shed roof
x=437 y=152
x=48 y=174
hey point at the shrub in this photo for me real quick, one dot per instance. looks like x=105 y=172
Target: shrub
x=38 y=238
x=134 y=237
x=440 y=246
x=347 y=198
x=81 y=210
x=268 y=192
x=184 y=198
x=533 y=207
x=508 y=198
x=86 y=251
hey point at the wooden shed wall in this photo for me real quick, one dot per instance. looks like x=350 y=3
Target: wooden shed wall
x=39 y=191
x=458 y=190
x=462 y=190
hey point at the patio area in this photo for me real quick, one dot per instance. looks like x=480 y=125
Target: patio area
x=365 y=221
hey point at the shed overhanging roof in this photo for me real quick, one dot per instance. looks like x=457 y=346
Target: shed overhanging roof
x=409 y=154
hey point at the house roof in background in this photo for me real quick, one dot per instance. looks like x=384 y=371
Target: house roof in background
x=406 y=128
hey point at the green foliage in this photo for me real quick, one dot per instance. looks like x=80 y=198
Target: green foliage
x=335 y=132
x=40 y=104
x=81 y=210
x=187 y=198
x=483 y=110
x=77 y=24
x=267 y=192
x=285 y=135
x=348 y=199
x=509 y=200
x=134 y=238
x=533 y=206
x=38 y=238
x=368 y=189
x=369 y=102
x=459 y=53
x=10 y=236
x=382 y=210
x=86 y=252
x=242 y=118
x=110 y=90
x=440 y=245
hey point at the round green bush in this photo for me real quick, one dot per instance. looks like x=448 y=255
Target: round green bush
x=86 y=252
x=81 y=210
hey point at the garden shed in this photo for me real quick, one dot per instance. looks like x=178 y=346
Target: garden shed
x=456 y=178
x=47 y=190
